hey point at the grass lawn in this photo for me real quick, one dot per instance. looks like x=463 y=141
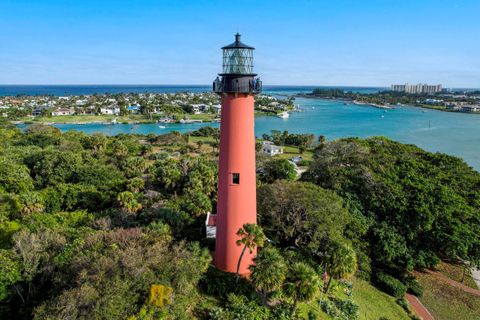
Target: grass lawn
x=429 y=106
x=290 y=152
x=89 y=118
x=139 y=118
x=375 y=304
x=454 y=271
x=206 y=117
x=446 y=302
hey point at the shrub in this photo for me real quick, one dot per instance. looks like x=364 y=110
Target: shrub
x=404 y=304
x=339 y=309
x=415 y=288
x=240 y=307
x=390 y=285
x=220 y=284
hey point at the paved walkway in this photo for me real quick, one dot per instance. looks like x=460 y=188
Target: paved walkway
x=454 y=283
x=476 y=276
x=418 y=307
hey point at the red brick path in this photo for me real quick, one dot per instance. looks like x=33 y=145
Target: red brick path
x=418 y=307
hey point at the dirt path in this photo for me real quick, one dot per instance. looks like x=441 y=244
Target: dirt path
x=454 y=283
x=476 y=276
x=418 y=307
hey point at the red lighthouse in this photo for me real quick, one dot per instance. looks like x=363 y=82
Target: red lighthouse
x=237 y=87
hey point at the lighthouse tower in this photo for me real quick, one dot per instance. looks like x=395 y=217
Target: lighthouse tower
x=236 y=206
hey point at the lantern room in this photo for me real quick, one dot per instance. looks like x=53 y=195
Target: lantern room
x=238 y=58
x=237 y=75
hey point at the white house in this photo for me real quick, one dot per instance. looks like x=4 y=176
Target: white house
x=217 y=108
x=111 y=110
x=271 y=149
x=63 y=112
x=199 y=108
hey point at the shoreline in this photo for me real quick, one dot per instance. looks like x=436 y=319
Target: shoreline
x=387 y=107
x=131 y=122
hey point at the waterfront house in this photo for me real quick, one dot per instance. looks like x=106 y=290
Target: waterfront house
x=199 y=108
x=217 y=108
x=37 y=112
x=63 y=112
x=134 y=109
x=270 y=149
x=111 y=110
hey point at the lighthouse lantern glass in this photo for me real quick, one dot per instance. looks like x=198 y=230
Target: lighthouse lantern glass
x=238 y=61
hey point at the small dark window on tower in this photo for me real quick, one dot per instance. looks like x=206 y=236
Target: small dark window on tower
x=236 y=178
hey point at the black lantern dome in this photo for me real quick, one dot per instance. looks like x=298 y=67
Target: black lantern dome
x=237 y=75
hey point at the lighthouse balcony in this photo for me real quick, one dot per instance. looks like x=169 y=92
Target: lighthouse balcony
x=237 y=84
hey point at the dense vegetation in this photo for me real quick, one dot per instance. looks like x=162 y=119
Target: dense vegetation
x=96 y=227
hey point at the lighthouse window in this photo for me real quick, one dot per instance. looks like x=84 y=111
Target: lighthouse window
x=236 y=178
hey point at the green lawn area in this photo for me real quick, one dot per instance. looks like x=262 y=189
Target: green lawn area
x=446 y=302
x=429 y=106
x=89 y=118
x=206 y=117
x=202 y=139
x=375 y=304
x=140 y=118
x=290 y=152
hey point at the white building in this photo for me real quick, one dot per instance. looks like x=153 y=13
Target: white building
x=211 y=225
x=417 y=88
x=271 y=149
x=217 y=108
x=112 y=110
x=199 y=108
x=63 y=112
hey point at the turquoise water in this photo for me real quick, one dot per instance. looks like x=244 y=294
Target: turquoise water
x=452 y=133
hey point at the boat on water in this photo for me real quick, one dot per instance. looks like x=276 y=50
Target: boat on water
x=114 y=121
x=283 y=115
x=162 y=127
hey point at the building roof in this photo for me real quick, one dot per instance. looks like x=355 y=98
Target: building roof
x=237 y=44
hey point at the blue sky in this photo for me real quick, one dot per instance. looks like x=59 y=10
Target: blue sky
x=302 y=42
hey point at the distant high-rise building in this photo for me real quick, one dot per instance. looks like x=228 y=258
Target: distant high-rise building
x=417 y=88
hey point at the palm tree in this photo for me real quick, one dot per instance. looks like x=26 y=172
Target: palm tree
x=341 y=262
x=251 y=236
x=268 y=272
x=302 y=282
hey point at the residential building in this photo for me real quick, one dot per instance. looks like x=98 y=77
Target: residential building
x=111 y=110
x=271 y=149
x=217 y=108
x=135 y=109
x=199 y=108
x=63 y=112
